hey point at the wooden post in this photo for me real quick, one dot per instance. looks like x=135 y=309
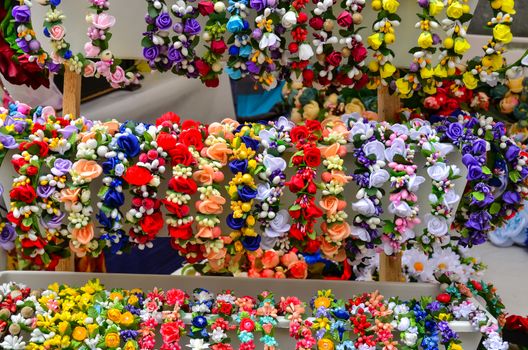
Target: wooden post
x=390 y=267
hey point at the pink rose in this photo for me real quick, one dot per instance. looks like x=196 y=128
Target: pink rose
x=57 y=32
x=90 y=50
x=103 y=21
x=117 y=77
x=344 y=19
x=508 y=103
x=89 y=70
x=23 y=108
x=47 y=112
x=103 y=67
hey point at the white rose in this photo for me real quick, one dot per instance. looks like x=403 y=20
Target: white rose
x=410 y=339
x=289 y=19
x=436 y=225
x=443 y=148
x=379 y=178
x=433 y=198
x=305 y=52
x=273 y=163
x=438 y=172
x=400 y=129
x=414 y=182
x=360 y=233
x=404 y=324
x=402 y=209
x=376 y=148
x=279 y=224
x=263 y=191
x=364 y=207
x=361 y=128
x=451 y=198
x=397 y=147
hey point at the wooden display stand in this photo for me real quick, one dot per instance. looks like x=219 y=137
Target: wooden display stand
x=390 y=266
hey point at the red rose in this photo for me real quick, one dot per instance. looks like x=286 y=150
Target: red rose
x=180 y=210
x=203 y=67
x=316 y=23
x=296 y=233
x=344 y=19
x=31 y=170
x=443 y=298
x=184 y=232
x=11 y=218
x=192 y=137
x=311 y=188
x=247 y=324
x=312 y=246
x=299 y=133
x=25 y=193
x=166 y=141
x=431 y=102
x=205 y=8
x=190 y=124
x=38 y=127
x=296 y=183
x=298 y=270
x=359 y=53
x=149 y=203
x=212 y=83
x=313 y=126
x=293 y=47
x=170 y=331
x=313 y=211
x=35 y=147
x=302 y=17
x=324 y=81
x=362 y=82
x=308 y=77
x=226 y=308
x=476 y=285
x=27 y=243
x=18 y=162
x=180 y=155
x=218 y=46
x=183 y=185
x=137 y=176
x=151 y=224
x=312 y=157
x=170 y=117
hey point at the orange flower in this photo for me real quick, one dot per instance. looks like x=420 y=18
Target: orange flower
x=85 y=136
x=112 y=126
x=205 y=175
x=78 y=251
x=337 y=232
x=69 y=196
x=270 y=259
x=212 y=205
x=87 y=169
x=219 y=152
x=330 y=151
x=328 y=249
x=83 y=235
x=208 y=232
x=340 y=177
x=329 y=204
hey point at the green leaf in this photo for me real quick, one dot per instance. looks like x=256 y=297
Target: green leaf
x=152 y=11
x=515 y=176
x=295 y=207
x=495 y=207
x=478 y=196
x=388 y=228
x=486 y=170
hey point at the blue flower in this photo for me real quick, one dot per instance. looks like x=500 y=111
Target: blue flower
x=109 y=165
x=234 y=74
x=235 y=223
x=55 y=2
x=129 y=144
x=235 y=24
x=68 y=54
x=246 y=193
x=199 y=322
x=104 y=220
x=234 y=50
x=238 y=166
x=113 y=198
x=46 y=32
x=245 y=51
x=251 y=243
x=251 y=143
x=245 y=336
x=341 y=314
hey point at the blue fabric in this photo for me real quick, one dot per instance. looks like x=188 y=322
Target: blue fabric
x=161 y=259
x=249 y=105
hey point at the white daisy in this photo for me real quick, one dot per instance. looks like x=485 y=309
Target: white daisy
x=418 y=265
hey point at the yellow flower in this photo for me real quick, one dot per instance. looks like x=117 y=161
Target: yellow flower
x=430 y=87
x=390 y=6
x=126 y=319
x=250 y=220
x=92 y=328
x=444 y=317
x=311 y=110
x=373 y=66
x=64 y=327
x=115 y=295
x=130 y=345
x=403 y=85
x=435 y=7
x=354 y=106
x=389 y=38
x=425 y=40
x=375 y=40
x=494 y=61
x=470 y=81
x=426 y=72
x=387 y=70
x=502 y=33
x=112 y=340
x=79 y=333
x=516 y=85
x=441 y=71
x=461 y=45
x=455 y=10
x=454 y=346
x=133 y=300
x=325 y=344
x=252 y=164
x=322 y=301
x=507 y=6
x=376 y=5
x=114 y=315
x=65 y=342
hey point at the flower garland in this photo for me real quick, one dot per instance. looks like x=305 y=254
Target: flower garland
x=267 y=319
x=223 y=308
x=300 y=50
x=300 y=329
x=304 y=211
x=124 y=147
x=335 y=228
x=274 y=221
x=144 y=177
x=246 y=322
x=172 y=328
x=186 y=39
x=200 y=307
x=156 y=41
x=240 y=50
x=381 y=68
x=100 y=25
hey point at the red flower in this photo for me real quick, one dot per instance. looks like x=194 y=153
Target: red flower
x=299 y=133
x=296 y=183
x=443 y=298
x=312 y=156
x=344 y=19
x=184 y=232
x=183 y=185
x=25 y=193
x=296 y=232
x=137 y=176
x=179 y=210
x=203 y=67
x=247 y=324
x=476 y=285
x=18 y=162
x=302 y=17
x=171 y=331
x=316 y=23
x=212 y=83
x=166 y=141
x=176 y=297
x=312 y=246
x=218 y=46
x=38 y=127
x=180 y=154
x=190 y=124
x=298 y=270
x=517 y=323
x=334 y=58
x=225 y=308
x=170 y=117
x=38 y=148
x=314 y=126
x=312 y=210
x=31 y=170
x=293 y=47
x=205 y=8
x=359 y=53
x=192 y=137
x=221 y=346
x=152 y=224
x=27 y=243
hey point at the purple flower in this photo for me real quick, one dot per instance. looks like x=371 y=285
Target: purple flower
x=436 y=39
x=8 y=141
x=22 y=44
x=252 y=67
x=499 y=130
x=34 y=45
x=151 y=53
x=61 y=167
x=45 y=191
x=21 y=14
x=423 y=3
x=454 y=131
x=7 y=237
x=511 y=197
x=178 y=28
x=479 y=220
x=54 y=223
x=257 y=33
x=479 y=147
x=474 y=172
x=68 y=131
x=258 y=5
x=164 y=21
x=488 y=196
x=512 y=153
x=174 y=55
x=434 y=306
x=192 y=26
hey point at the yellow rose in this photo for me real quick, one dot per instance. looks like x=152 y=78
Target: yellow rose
x=494 y=61
x=454 y=346
x=435 y=7
x=390 y=38
x=375 y=40
x=504 y=5
x=130 y=345
x=112 y=340
x=426 y=72
x=126 y=319
x=133 y=300
x=403 y=85
x=461 y=45
x=116 y=295
x=114 y=315
x=325 y=344
x=311 y=110
x=516 y=85
x=354 y=106
x=79 y=333
x=470 y=81
x=387 y=70
x=425 y=40
x=455 y=10
x=373 y=66
x=441 y=70
x=502 y=33
x=64 y=327
x=390 y=6
x=322 y=301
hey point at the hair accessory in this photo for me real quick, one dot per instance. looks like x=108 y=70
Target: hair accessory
x=267 y=319
x=186 y=39
x=240 y=50
x=156 y=43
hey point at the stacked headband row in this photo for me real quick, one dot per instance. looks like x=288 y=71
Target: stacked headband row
x=57 y=158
